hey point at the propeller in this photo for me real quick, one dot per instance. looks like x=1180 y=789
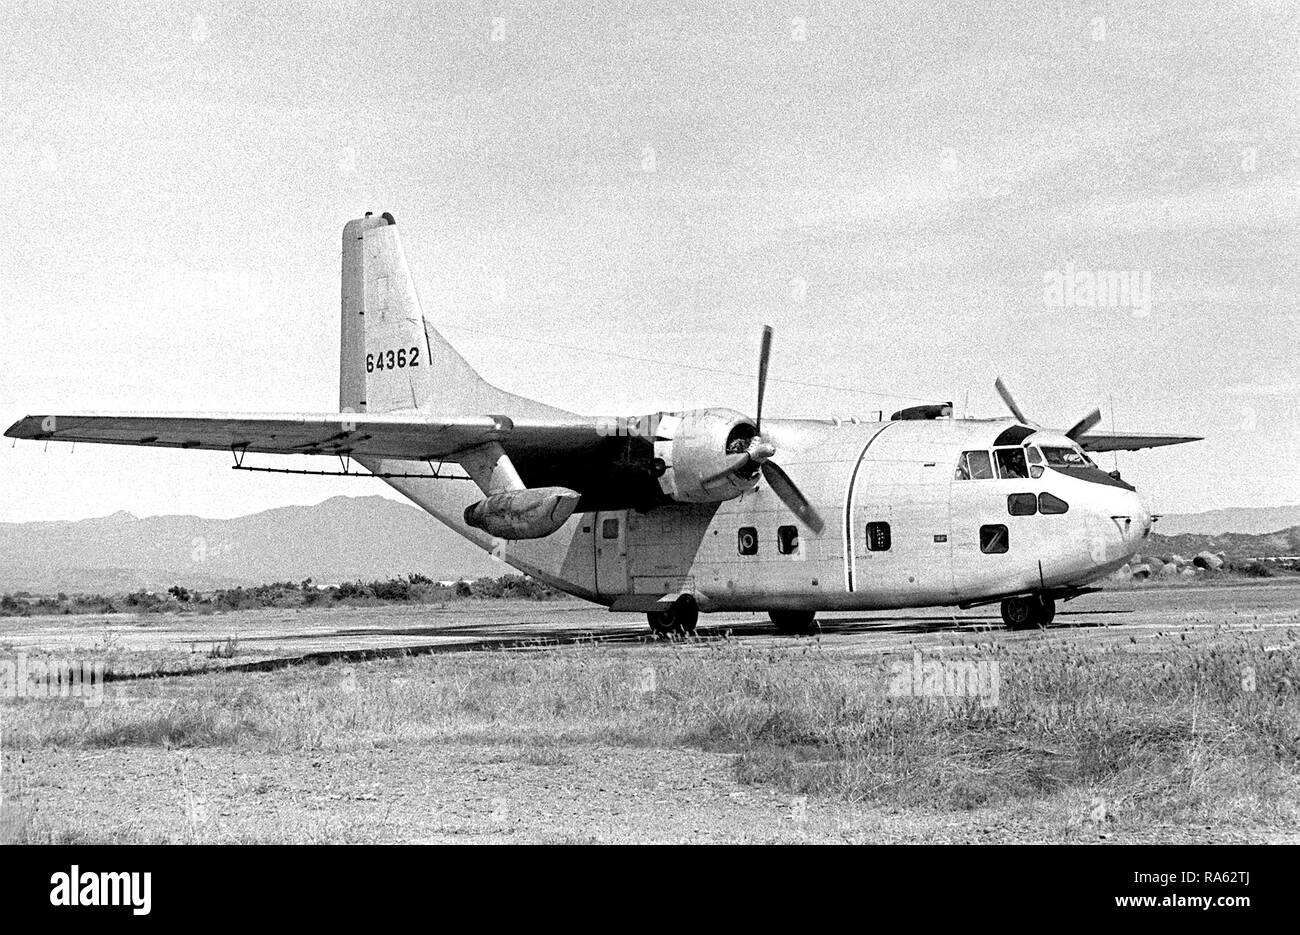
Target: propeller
x=764 y=355
x=1011 y=402
x=760 y=452
x=1074 y=433
x=1084 y=425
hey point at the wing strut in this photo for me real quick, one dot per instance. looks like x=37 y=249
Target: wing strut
x=437 y=470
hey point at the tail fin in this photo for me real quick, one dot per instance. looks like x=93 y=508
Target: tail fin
x=391 y=359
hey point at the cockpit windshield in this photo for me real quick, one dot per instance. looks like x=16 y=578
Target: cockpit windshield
x=1066 y=457
x=1015 y=463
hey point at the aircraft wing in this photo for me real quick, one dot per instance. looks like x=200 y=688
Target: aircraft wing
x=1131 y=442
x=413 y=437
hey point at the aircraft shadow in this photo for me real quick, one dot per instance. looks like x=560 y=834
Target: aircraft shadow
x=495 y=638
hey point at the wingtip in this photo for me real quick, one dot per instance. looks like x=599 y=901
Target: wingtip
x=26 y=427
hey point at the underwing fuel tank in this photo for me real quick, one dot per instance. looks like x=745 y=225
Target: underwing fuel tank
x=523 y=514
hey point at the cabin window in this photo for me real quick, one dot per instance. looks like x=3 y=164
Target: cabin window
x=1022 y=504
x=609 y=529
x=974 y=465
x=787 y=539
x=1051 y=504
x=877 y=537
x=747 y=540
x=1011 y=463
x=993 y=539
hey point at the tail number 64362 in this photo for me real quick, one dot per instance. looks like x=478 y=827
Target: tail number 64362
x=392 y=360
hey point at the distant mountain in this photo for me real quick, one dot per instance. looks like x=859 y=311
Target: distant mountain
x=343 y=538
x=1247 y=519
x=1233 y=545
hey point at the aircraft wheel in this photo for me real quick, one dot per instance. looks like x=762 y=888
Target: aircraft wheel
x=661 y=622
x=1025 y=613
x=1018 y=613
x=680 y=618
x=794 y=621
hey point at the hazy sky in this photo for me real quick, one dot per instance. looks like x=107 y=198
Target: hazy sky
x=890 y=185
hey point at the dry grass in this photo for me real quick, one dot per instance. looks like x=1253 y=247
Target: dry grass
x=1163 y=736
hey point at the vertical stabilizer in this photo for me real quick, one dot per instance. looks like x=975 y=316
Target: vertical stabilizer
x=391 y=358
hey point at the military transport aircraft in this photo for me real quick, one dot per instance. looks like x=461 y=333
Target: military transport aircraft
x=675 y=513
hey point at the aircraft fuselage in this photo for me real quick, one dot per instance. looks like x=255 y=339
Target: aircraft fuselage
x=903 y=528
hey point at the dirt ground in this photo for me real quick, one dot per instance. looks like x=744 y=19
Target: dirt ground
x=471 y=793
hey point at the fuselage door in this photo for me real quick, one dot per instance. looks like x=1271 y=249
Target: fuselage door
x=899 y=540
x=610 y=530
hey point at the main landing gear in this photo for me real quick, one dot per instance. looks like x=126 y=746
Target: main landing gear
x=1025 y=613
x=678 y=619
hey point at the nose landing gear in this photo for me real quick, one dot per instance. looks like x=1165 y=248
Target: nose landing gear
x=1025 y=613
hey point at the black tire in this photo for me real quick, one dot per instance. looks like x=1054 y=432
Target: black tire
x=1018 y=613
x=681 y=617
x=1026 y=613
x=794 y=621
x=661 y=622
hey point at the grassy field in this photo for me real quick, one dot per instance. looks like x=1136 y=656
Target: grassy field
x=1202 y=731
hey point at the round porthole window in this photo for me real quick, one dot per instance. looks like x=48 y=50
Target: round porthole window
x=747 y=540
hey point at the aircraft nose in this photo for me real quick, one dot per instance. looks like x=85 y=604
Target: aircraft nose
x=1132 y=517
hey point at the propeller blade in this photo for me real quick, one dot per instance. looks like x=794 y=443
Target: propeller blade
x=763 y=355
x=1084 y=425
x=759 y=451
x=1010 y=401
x=791 y=496
x=738 y=464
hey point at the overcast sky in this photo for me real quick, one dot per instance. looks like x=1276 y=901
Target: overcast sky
x=892 y=186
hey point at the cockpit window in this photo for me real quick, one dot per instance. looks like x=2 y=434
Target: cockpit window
x=1066 y=457
x=1011 y=463
x=1035 y=461
x=974 y=465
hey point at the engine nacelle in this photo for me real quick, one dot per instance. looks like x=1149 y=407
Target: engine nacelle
x=694 y=447
x=523 y=514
